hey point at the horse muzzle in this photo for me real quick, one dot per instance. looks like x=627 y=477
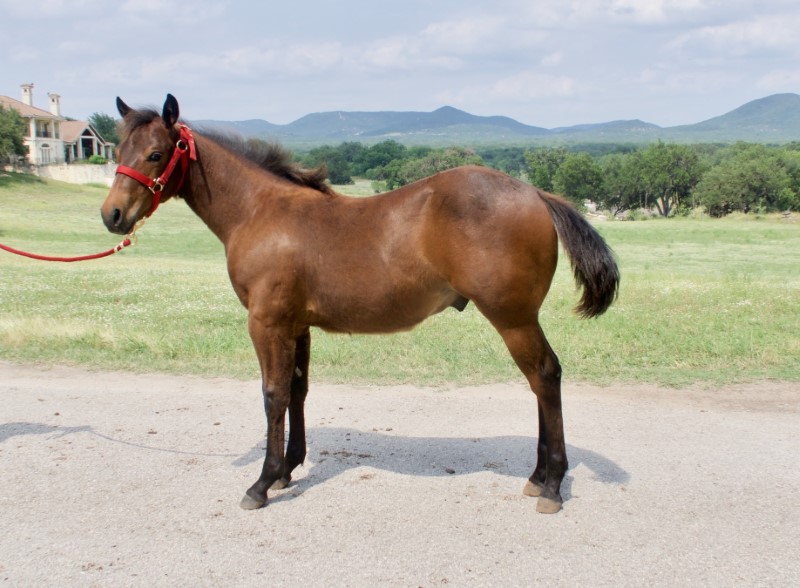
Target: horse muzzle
x=116 y=221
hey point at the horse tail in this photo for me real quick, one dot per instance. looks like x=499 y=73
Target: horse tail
x=593 y=262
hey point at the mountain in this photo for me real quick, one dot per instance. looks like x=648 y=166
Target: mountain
x=609 y=132
x=774 y=119
x=445 y=125
x=247 y=128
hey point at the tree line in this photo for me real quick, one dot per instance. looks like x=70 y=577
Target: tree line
x=663 y=177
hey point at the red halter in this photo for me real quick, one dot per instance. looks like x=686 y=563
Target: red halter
x=183 y=152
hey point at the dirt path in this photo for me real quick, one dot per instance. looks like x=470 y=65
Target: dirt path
x=134 y=480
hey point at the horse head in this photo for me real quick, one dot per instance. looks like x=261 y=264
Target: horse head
x=151 y=146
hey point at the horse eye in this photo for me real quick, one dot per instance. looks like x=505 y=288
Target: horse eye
x=154 y=156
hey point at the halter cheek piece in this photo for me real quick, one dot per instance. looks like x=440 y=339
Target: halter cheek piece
x=183 y=152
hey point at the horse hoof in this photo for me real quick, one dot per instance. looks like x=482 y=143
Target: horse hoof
x=548 y=505
x=532 y=489
x=279 y=484
x=250 y=503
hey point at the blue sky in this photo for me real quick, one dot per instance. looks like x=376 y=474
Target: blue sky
x=547 y=63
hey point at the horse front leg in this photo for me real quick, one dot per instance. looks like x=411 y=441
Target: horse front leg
x=296 y=448
x=276 y=353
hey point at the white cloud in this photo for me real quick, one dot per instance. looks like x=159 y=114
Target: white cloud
x=464 y=35
x=400 y=53
x=519 y=88
x=778 y=31
x=48 y=9
x=528 y=85
x=159 y=13
x=553 y=59
x=76 y=47
x=653 y=11
x=25 y=55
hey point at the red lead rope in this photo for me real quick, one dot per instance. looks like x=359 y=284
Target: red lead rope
x=126 y=242
x=184 y=150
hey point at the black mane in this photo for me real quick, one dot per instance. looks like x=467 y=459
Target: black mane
x=268 y=156
x=273 y=158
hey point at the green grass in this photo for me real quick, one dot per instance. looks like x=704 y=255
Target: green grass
x=702 y=301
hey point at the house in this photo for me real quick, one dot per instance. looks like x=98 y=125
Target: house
x=81 y=141
x=50 y=137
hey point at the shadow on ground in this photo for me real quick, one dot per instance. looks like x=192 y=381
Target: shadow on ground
x=332 y=451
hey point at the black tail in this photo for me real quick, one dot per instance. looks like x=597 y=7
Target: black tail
x=592 y=260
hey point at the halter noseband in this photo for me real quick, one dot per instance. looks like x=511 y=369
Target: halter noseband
x=183 y=152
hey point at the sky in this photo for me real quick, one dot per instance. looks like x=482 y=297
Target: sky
x=546 y=63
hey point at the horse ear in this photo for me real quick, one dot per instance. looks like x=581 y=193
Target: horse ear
x=122 y=107
x=170 y=113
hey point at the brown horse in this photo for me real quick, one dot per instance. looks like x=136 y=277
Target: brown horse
x=301 y=255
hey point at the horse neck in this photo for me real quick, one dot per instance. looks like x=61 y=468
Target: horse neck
x=217 y=188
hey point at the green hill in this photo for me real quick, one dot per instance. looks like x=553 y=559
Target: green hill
x=774 y=119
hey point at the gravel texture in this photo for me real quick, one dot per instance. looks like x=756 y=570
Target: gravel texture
x=116 y=479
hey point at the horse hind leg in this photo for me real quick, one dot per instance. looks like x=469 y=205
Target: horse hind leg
x=537 y=480
x=539 y=363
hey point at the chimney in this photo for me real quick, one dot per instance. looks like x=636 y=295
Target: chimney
x=55 y=104
x=27 y=94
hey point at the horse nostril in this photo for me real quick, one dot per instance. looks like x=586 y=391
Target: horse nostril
x=116 y=217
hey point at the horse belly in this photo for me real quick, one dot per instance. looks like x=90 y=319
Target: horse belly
x=387 y=313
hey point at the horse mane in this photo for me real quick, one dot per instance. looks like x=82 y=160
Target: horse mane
x=268 y=156
x=273 y=158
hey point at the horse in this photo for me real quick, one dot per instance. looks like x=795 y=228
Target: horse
x=301 y=255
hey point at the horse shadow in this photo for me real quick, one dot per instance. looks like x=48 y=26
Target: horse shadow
x=333 y=451
x=9 y=430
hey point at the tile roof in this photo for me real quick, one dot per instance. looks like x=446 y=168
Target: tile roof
x=71 y=130
x=27 y=111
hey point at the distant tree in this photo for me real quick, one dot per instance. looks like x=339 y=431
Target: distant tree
x=12 y=134
x=670 y=172
x=752 y=177
x=372 y=159
x=389 y=174
x=106 y=126
x=436 y=161
x=579 y=178
x=542 y=164
x=624 y=188
x=510 y=160
x=333 y=158
x=791 y=162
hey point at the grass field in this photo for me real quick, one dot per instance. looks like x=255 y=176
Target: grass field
x=708 y=301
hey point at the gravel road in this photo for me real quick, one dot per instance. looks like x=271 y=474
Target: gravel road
x=116 y=479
